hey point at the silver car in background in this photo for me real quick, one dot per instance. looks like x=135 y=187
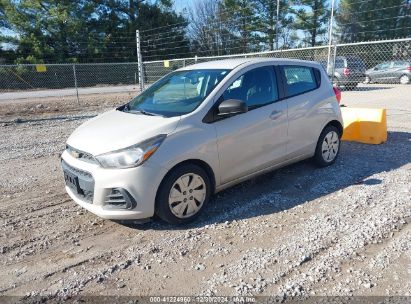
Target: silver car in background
x=199 y=130
x=390 y=72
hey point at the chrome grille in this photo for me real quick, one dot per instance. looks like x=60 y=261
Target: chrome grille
x=84 y=156
x=77 y=171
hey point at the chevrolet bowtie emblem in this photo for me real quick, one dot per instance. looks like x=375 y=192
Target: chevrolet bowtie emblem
x=75 y=154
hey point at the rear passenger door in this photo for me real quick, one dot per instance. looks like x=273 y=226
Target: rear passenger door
x=301 y=85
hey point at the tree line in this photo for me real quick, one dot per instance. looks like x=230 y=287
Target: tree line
x=60 y=31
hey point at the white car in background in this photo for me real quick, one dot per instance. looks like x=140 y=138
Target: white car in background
x=199 y=130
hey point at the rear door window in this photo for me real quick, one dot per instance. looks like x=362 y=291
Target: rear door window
x=299 y=79
x=400 y=64
x=383 y=66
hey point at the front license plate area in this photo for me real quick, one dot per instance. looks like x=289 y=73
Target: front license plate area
x=72 y=182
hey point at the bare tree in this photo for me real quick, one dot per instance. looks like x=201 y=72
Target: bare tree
x=204 y=28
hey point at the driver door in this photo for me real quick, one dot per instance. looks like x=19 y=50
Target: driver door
x=254 y=140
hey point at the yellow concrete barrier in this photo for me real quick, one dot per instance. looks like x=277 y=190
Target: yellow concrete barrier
x=368 y=126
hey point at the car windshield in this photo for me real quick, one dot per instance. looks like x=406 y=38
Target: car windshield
x=176 y=94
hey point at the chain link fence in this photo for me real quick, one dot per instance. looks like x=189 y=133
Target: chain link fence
x=360 y=67
x=66 y=80
x=351 y=65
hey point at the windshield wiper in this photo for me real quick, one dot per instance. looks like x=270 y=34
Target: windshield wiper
x=126 y=108
x=144 y=112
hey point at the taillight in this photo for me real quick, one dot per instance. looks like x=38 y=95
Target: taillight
x=409 y=68
x=346 y=71
x=337 y=94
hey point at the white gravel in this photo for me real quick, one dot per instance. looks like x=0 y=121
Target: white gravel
x=299 y=231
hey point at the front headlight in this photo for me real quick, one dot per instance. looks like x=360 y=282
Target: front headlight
x=132 y=156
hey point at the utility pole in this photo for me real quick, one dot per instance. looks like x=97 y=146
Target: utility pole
x=139 y=62
x=277 y=24
x=330 y=37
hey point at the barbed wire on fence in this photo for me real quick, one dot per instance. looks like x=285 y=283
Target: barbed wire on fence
x=75 y=81
x=373 y=52
x=219 y=38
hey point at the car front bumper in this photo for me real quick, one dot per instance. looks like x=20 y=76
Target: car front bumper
x=103 y=191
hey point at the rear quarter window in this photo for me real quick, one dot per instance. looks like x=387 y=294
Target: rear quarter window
x=339 y=63
x=355 y=63
x=401 y=64
x=300 y=79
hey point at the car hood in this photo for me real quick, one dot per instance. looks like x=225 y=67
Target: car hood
x=115 y=130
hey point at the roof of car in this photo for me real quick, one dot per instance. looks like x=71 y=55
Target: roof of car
x=230 y=64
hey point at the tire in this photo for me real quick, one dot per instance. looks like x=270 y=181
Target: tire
x=367 y=80
x=404 y=79
x=183 y=194
x=321 y=157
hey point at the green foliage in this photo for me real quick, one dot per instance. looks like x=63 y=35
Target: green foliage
x=243 y=24
x=312 y=18
x=373 y=20
x=61 y=31
x=267 y=23
x=46 y=29
x=81 y=31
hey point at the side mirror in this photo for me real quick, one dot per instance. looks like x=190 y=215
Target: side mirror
x=375 y=69
x=232 y=107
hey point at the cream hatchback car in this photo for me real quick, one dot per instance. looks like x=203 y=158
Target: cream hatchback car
x=199 y=130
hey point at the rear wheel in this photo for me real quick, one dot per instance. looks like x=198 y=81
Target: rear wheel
x=328 y=147
x=404 y=79
x=183 y=194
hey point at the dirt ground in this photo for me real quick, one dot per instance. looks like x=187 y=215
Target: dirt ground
x=338 y=231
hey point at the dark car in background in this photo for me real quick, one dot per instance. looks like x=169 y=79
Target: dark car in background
x=390 y=72
x=349 y=71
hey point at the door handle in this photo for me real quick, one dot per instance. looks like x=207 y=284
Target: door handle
x=275 y=114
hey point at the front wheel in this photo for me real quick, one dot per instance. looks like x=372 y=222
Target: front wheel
x=404 y=79
x=328 y=146
x=183 y=194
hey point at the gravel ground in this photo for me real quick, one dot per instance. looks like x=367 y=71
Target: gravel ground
x=342 y=230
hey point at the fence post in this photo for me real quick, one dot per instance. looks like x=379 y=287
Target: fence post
x=139 y=62
x=277 y=24
x=75 y=83
x=333 y=64
x=330 y=36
